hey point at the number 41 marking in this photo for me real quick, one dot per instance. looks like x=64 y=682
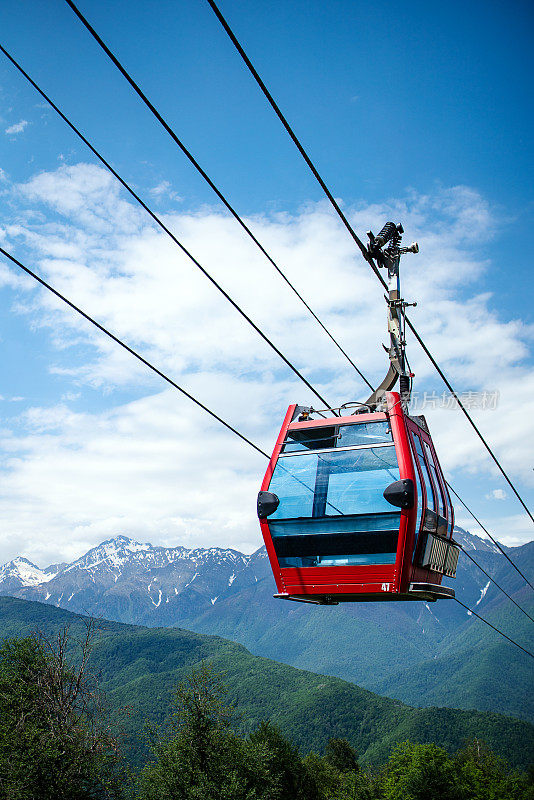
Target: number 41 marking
x=385 y=587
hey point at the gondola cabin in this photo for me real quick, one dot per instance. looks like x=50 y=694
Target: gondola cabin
x=356 y=508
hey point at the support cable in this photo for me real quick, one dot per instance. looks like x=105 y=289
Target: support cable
x=130 y=350
x=468 y=417
x=466 y=553
x=135 y=86
x=495 y=542
x=167 y=230
x=494 y=628
x=187 y=394
x=293 y=136
x=353 y=234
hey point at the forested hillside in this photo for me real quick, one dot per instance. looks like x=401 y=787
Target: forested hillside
x=139 y=667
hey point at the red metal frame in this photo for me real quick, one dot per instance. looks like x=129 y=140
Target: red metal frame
x=370 y=581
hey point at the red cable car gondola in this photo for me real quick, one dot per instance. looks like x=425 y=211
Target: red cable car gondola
x=355 y=506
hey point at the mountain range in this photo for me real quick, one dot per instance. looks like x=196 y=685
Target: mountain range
x=423 y=654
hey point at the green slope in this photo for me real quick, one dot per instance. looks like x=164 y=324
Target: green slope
x=474 y=667
x=424 y=655
x=139 y=666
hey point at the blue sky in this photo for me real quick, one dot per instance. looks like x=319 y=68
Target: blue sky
x=414 y=110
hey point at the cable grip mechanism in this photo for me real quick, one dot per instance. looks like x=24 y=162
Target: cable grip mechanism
x=389 y=258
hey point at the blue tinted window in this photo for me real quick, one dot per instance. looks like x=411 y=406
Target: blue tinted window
x=332 y=511
x=430 y=502
x=418 y=447
x=293 y=482
x=441 y=500
x=330 y=484
x=364 y=433
x=451 y=513
x=419 y=504
x=336 y=541
x=357 y=479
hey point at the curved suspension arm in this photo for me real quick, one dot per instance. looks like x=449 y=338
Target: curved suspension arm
x=390 y=259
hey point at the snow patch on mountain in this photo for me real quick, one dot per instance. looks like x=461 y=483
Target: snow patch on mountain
x=483 y=592
x=191 y=581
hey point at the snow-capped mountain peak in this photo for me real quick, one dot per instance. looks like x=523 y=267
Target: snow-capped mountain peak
x=21 y=572
x=142 y=583
x=110 y=554
x=472 y=542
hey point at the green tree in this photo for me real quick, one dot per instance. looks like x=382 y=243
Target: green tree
x=359 y=785
x=341 y=755
x=326 y=778
x=420 y=772
x=484 y=776
x=291 y=778
x=55 y=741
x=337 y=774
x=198 y=756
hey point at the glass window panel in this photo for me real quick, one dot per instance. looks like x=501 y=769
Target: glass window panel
x=310 y=439
x=426 y=476
x=418 y=446
x=430 y=497
x=337 y=541
x=334 y=483
x=419 y=502
x=332 y=511
x=293 y=482
x=357 y=479
x=450 y=527
x=364 y=433
x=348 y=524
x=441 y=499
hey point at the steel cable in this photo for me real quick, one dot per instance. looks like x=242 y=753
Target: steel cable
x=162 y=225
x=466 y=553
x=130 y=350
x=135 y=86
x=485 y=621
x=353 y=234
x=495 y=542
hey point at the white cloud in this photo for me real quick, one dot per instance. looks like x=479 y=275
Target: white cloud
x=158 y=468
x=18 y=127
x=163 y=190
x=497 y=494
